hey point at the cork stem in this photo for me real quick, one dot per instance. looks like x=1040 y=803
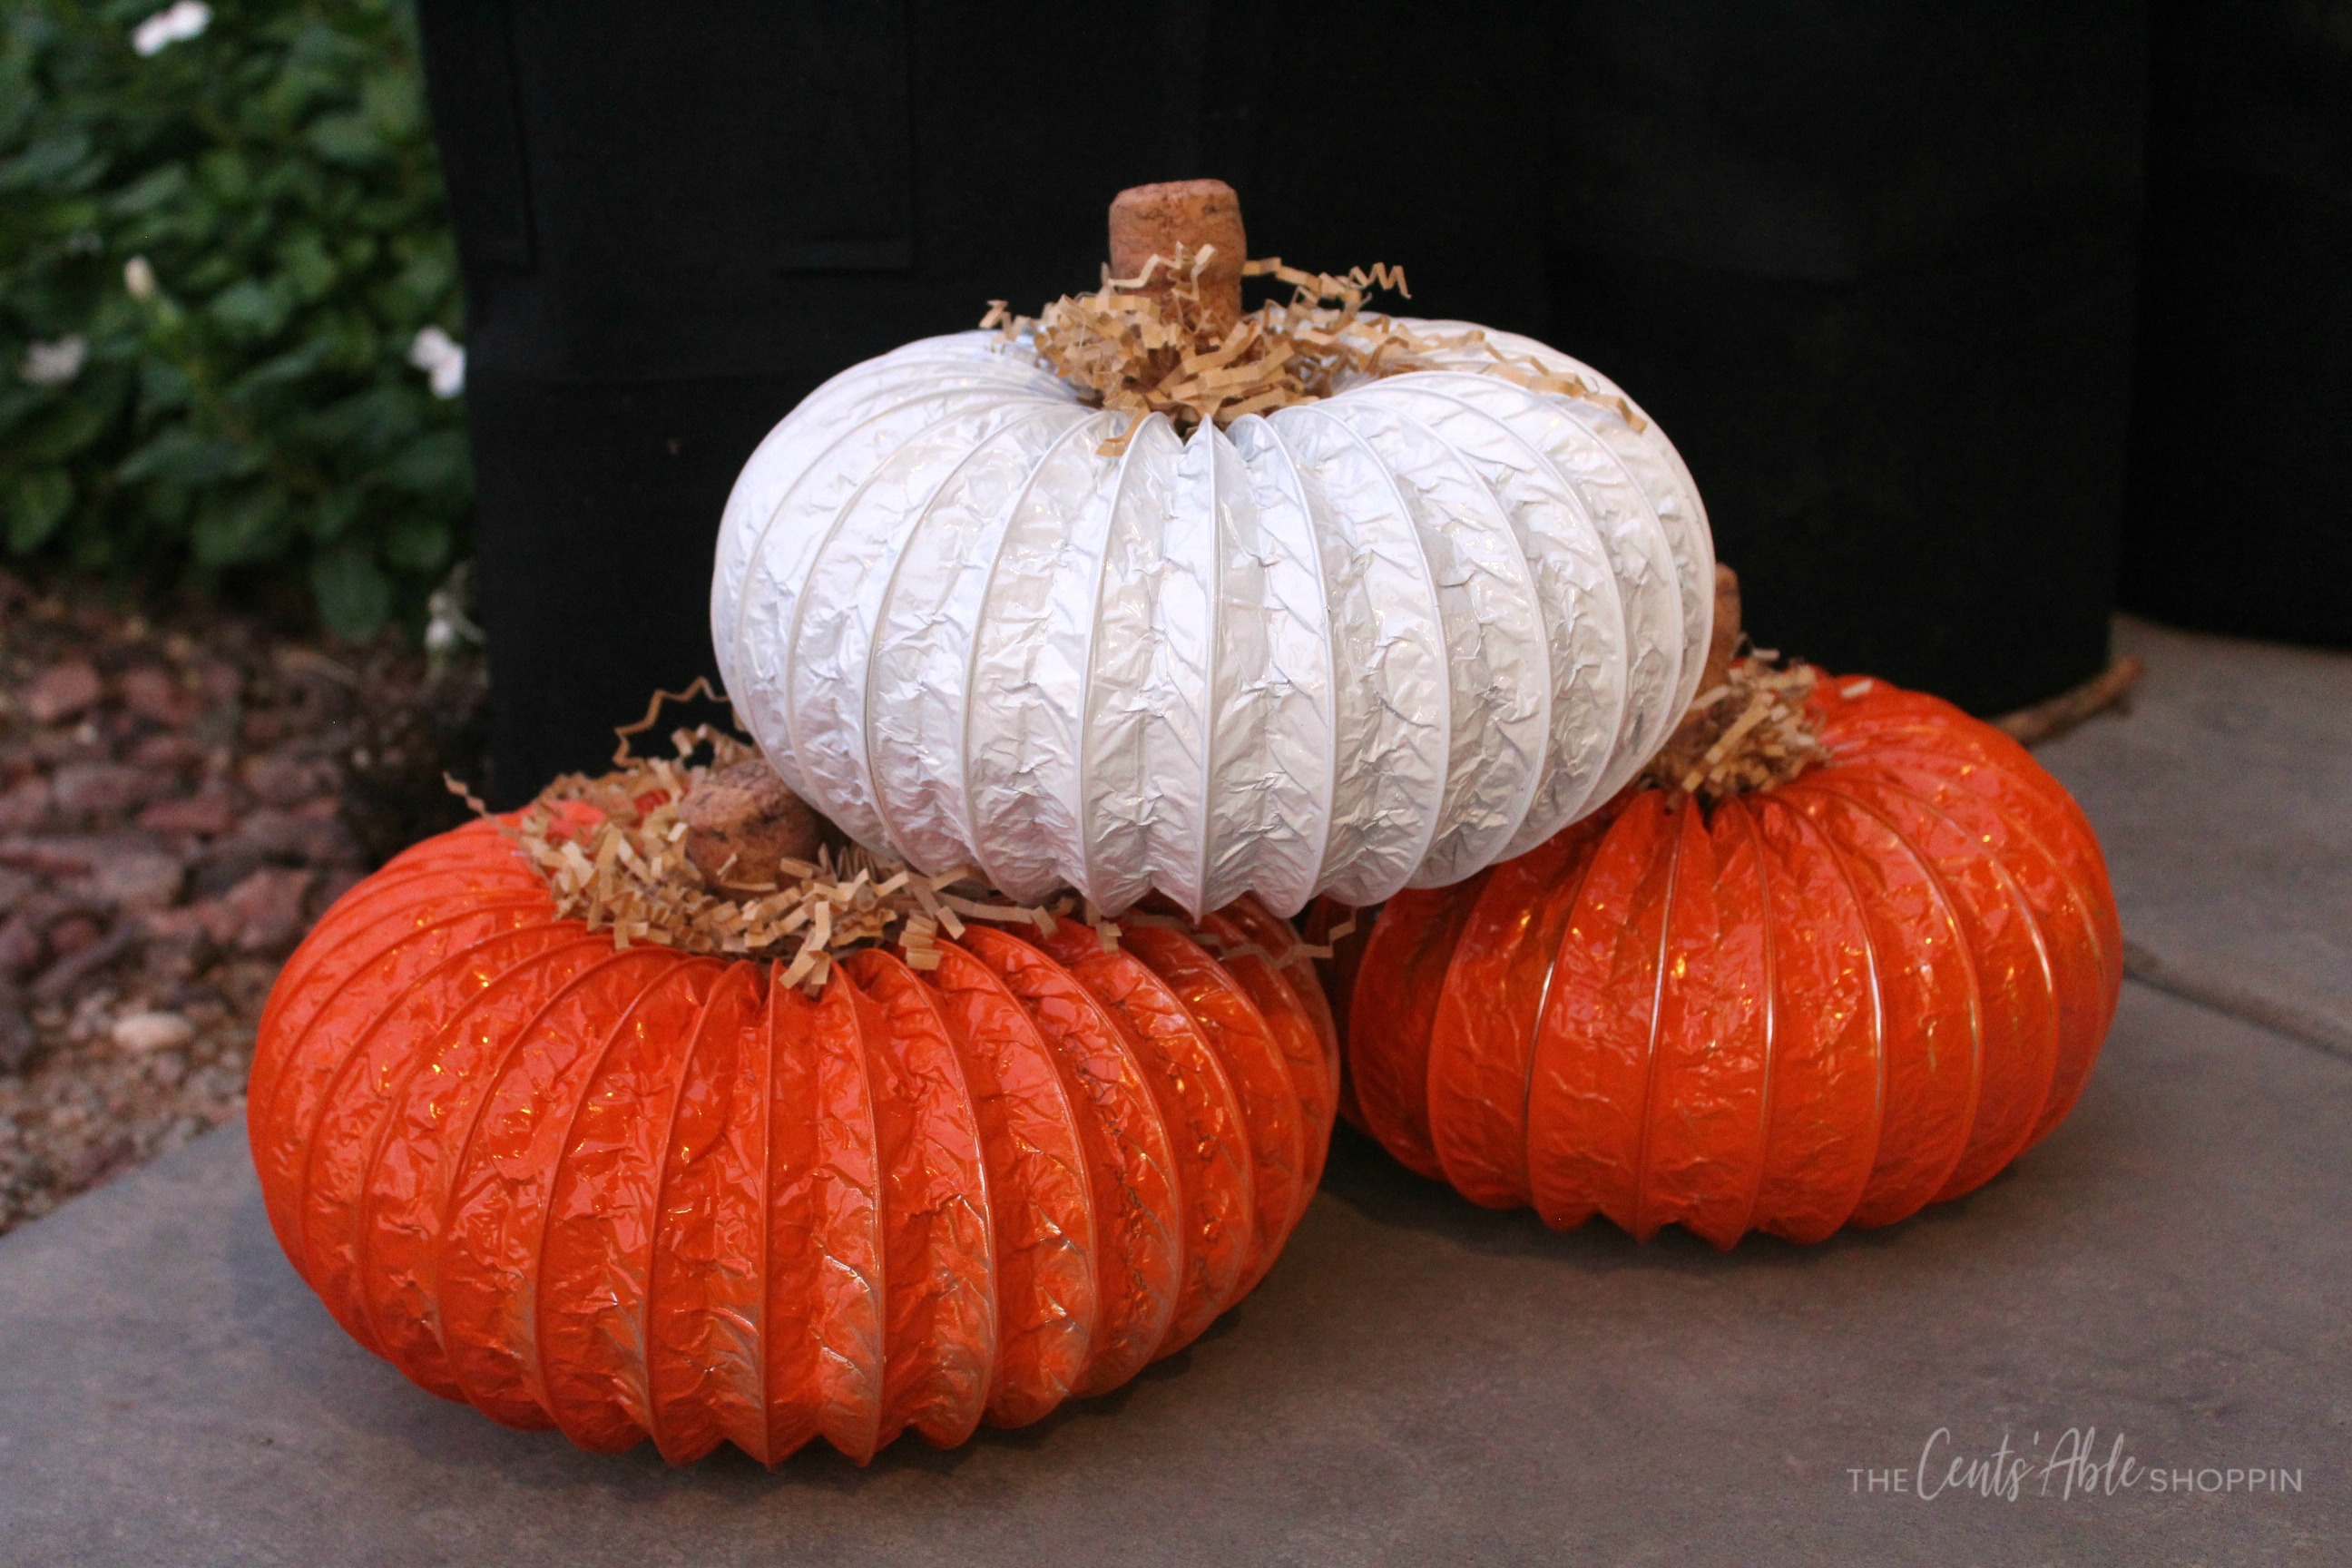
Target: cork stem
x=1177 y=220
x=1749 y=727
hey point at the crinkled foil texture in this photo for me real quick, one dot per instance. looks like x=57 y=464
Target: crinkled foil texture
x=1830 y=1002
x=1376 y=642
x=638 y=1193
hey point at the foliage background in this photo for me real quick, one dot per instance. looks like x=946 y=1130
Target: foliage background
x=256 y=419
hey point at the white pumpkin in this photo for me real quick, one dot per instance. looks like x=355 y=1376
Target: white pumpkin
x=1375 y=642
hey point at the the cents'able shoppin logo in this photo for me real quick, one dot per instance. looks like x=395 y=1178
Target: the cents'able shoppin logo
x=2076 y=1464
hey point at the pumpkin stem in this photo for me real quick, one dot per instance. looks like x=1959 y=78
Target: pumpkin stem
x=1165 y=333
x=1193 y=230
x=1748 y=728
x=1723 y=645
x=723 y=860
x=742 y=821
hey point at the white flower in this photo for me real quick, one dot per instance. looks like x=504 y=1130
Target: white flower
x=441 y=357
x=54 y=364
x=447 y=627
x=175 y=24
x=139 y=277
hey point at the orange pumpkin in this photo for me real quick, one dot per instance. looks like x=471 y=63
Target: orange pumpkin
x=1827 y=1002
x=629 y=1192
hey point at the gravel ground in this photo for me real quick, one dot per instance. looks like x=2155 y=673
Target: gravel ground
x=179 y=799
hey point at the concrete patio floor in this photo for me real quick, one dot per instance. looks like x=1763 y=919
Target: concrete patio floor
x=1422 y=1381
x=2225 y=803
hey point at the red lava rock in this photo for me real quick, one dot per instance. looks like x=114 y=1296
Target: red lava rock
x=57 y=857
x=101 y=789
x=22 y=947
x=73 y=933
x=151 y=692
x=268 y=908
x=279 y=779
x=25 y=807
x=17 y=1039
x=270 y=833
x=206 y=919
x=63 y=690
x=71 y=968
x=175 y=924
x=172 y=752
x=335 y=885
x=105 y=861
x=138 y=878
x=54 y=748
x=217 y=921
x=102 y=1158
x=207 y=816
x=116 y=869
x=328 y=841
x=265 y=834
x=219 y=682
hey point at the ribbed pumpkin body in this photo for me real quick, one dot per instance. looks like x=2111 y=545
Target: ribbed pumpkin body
x=1826 y=1003
x=1378 y=640
x=635 y=1192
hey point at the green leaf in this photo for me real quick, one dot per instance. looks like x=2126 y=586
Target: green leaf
x=282 y=370
x=49 y=161
x=65 y=216
x=319 y=48
x=302 y=258
x=19 y=403
x=163 y=388
x=374 y=422
x=353 y=340
x=214 y=270
x=38 y=502
x=354 y=594
x=392 y=104
x=226 y=174
x=79 y=421
x=279 y=176
x=159 y=187
x=350 y=139
x=428 y=279
x=434 y=462
x=236 y=529
x=417 y=545
x=251 y=308
x=334 y=515
x=18 y=100
x=182 y=457
x=168 y=506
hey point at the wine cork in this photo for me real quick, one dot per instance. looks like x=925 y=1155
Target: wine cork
x=1725 y=643
x=1154 y=220
x=742 y=821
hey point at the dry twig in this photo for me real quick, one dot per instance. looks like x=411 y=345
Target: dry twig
x=2111 y=688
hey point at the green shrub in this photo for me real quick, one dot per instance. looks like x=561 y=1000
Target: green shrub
x=245 y=231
